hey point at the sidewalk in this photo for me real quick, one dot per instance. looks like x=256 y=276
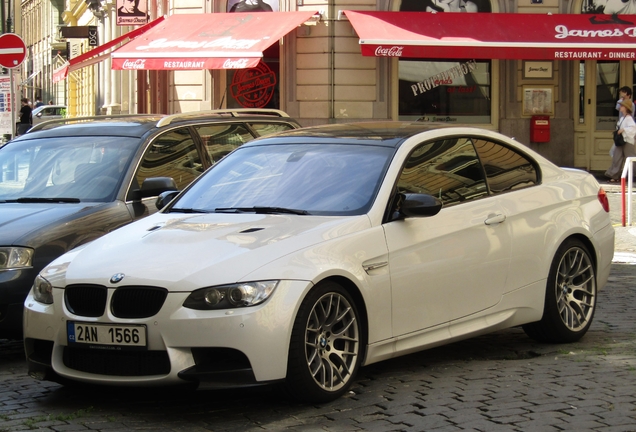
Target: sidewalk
x=625 y=244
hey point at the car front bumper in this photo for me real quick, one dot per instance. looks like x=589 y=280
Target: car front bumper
x=232 y=347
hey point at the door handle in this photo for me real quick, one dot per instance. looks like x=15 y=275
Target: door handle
x=494 y=219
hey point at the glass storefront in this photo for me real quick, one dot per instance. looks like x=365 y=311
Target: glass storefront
x=457 y=91
x=256 y=87
x=437 y=90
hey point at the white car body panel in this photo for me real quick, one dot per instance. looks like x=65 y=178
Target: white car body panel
x=461 y=256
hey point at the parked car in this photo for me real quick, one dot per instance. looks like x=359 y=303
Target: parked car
x=48 y=112
x=303 y=256
x=67 y=182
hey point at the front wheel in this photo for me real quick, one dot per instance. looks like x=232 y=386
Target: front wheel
x=325 y=350
x=570 y=298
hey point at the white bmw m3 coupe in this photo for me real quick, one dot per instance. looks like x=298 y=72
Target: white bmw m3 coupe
x=301 y=257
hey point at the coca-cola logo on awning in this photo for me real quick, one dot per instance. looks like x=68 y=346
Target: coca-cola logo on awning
x=235 y=63
x=136 y=64
x=394 y=51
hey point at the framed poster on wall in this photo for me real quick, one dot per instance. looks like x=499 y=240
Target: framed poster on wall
x=538 y=100
x=537 y=70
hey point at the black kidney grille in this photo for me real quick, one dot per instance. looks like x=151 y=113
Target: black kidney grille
x=117 y=363
x=86 y=300
x=137 y=302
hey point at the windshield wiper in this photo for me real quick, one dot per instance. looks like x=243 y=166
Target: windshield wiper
x=187 y=210
x=263 y=210
x=26 y=200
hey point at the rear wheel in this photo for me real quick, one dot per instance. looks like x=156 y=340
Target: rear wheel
x=325 y=349
x=570 y=299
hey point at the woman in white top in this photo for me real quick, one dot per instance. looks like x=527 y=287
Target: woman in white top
x=626 y=127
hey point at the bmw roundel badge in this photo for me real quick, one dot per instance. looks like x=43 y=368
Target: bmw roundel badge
x=117 y=277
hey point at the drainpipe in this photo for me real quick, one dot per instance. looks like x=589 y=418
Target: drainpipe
x=331 y=22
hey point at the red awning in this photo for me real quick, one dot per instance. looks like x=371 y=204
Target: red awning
x=495 y=35
x=98 y=54
x=208 y=41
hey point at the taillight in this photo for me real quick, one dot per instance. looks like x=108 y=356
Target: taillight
x=602 y=198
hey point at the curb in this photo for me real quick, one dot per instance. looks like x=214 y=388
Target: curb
x=624 y=258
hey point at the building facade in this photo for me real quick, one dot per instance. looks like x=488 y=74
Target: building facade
x=317 y=73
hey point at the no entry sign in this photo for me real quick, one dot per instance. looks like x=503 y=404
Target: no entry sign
x=12 y=50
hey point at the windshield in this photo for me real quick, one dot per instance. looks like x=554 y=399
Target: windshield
x=67 y=169
x=318 y=179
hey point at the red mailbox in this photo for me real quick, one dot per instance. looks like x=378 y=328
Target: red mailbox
x=539 y=129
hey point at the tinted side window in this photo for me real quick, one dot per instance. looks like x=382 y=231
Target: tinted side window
x=447 y=169
x=264 y=129
x=220 y=139
x=172 y=154
x=506 y=169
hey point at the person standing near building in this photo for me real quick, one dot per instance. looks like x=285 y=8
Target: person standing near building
x=38 y=102
x=26 y=119
x=627 y=128
x=624 y=93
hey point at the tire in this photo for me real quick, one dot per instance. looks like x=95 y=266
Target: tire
x=570 y=297
x=325 y=351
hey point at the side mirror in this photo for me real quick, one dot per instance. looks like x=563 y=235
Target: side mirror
x=164 y=199
x=153 y=186
x=39 y=114
x=419 y=205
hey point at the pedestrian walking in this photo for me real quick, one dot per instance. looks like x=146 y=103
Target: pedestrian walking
x=624 y=93
x=627 y=128
x=26 y=119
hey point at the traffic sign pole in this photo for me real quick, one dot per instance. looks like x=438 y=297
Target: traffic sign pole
x=12 y=54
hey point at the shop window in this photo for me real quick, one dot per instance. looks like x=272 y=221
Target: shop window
x=256 y=87
x=454 y=92
x=457 y=91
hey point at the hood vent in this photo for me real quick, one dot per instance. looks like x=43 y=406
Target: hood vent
x=250 y=230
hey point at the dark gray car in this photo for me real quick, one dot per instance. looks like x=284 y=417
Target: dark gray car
x=68 y=182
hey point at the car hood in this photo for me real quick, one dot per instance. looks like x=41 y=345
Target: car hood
x=18 y=220
x=182 y=253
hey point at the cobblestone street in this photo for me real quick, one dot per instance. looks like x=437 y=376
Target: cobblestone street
x=498 y=382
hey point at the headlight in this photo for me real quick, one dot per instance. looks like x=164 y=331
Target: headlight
x=230 y=296
x=42 y=290
x=15 y=257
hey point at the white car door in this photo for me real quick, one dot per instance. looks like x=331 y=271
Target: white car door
x=447 y=266
x=455 y=263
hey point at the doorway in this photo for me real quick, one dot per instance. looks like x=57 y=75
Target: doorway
x=595 y=115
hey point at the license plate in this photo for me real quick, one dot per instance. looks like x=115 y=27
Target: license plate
x=106 y=334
